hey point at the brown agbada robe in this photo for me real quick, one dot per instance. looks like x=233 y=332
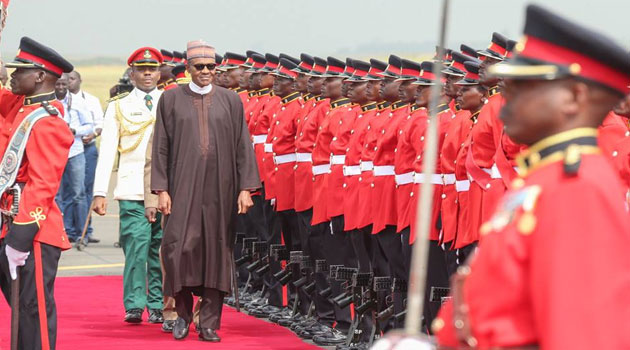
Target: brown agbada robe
x=203 y=157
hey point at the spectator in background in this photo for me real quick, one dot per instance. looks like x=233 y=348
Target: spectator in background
x=93 y=105
x=72 y=190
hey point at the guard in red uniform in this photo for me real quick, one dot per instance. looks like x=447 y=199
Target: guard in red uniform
x=471 y=98
x=260 y=124
x=337 y=246
x=232 y=71
x=437 y=274
x=520 y=290
x=453 y=141
x=312 y=239
x=486 y=186
x=37 y=141
x=387 y=245
x=166 y=71
x=362 y=237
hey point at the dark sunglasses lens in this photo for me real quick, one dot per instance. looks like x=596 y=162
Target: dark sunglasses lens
x=200 y=67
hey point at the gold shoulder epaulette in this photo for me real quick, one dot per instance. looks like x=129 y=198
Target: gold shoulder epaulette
x=118 y=97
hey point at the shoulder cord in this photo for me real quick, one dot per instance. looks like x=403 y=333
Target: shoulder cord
x=124 y=129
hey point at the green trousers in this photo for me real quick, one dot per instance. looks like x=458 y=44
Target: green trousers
x=140 y=241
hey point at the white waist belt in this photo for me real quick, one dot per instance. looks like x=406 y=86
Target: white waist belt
x=462 y=185
x=493 y=172
x=435 y=179
x=384 y=170
x=366 y=166
x=449 y=179
x=321 y=169
x=350 y=170
x=304 y=157
x=285 y=158
x=268 y=148
x=403 y=179
x=259 y=139
x=337 y=159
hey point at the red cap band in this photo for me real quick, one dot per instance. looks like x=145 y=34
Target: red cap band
x=591 y=69
x=288 y=72
x=334 y=69
x=46 y=64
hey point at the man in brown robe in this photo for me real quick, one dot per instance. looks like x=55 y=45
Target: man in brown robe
x=203 y=163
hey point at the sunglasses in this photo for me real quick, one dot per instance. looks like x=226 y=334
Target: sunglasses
x=200 y=66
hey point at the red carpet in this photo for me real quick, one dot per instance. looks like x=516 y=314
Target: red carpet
x=90 y=314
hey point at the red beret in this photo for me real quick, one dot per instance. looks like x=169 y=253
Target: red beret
x=145 y=56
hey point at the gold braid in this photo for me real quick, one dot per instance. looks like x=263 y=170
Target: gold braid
x=125 y=130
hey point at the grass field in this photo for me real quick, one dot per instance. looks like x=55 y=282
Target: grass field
x=97 y=80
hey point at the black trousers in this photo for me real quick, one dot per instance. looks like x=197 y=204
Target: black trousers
x=209 y=310
x=437 y=276
x=315 y=246
x=390 y=243
x=30 y=334
x=291 y=236
x=338 y=251
x=273 y=236
x=361 y=240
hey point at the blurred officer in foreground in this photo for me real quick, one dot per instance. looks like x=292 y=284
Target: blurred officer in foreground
x=542 y=275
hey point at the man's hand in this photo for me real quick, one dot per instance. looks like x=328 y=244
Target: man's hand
x=244 y=202
x=88 y=138
x=16 y=258
x=164 y=203
x=100 y=205
x=150 y=214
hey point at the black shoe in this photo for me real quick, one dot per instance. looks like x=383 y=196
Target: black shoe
x=208 y=334
x=311 y=331
x=72 y=239
x=133 y=316
x=93 y=240
x=288 y=321
x=180 y=329
x=331 y=338
x=155 y=316
x=167 y=326
x=265 y=311
x=284 y=314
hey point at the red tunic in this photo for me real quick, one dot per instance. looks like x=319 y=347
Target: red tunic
x=341 y=124
x=321 y=159
x=259 y=126
x=282 y=138
x=408 y=134
x=384 y=190
x=464 y=235
x=453 y=142
x=614 y=139
x=444 y=116
x=307 y=128
x=352 y=168
x=552 y=268
x=487 y=187
x=42 y=167
x=364 y=210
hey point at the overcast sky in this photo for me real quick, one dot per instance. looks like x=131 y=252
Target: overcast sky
x=114 y=28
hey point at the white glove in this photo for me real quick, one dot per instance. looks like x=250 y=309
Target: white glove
x=16 y=258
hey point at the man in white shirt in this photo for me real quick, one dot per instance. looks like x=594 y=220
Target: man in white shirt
x=71 y=196
x=127 y=128
x=90 y=151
